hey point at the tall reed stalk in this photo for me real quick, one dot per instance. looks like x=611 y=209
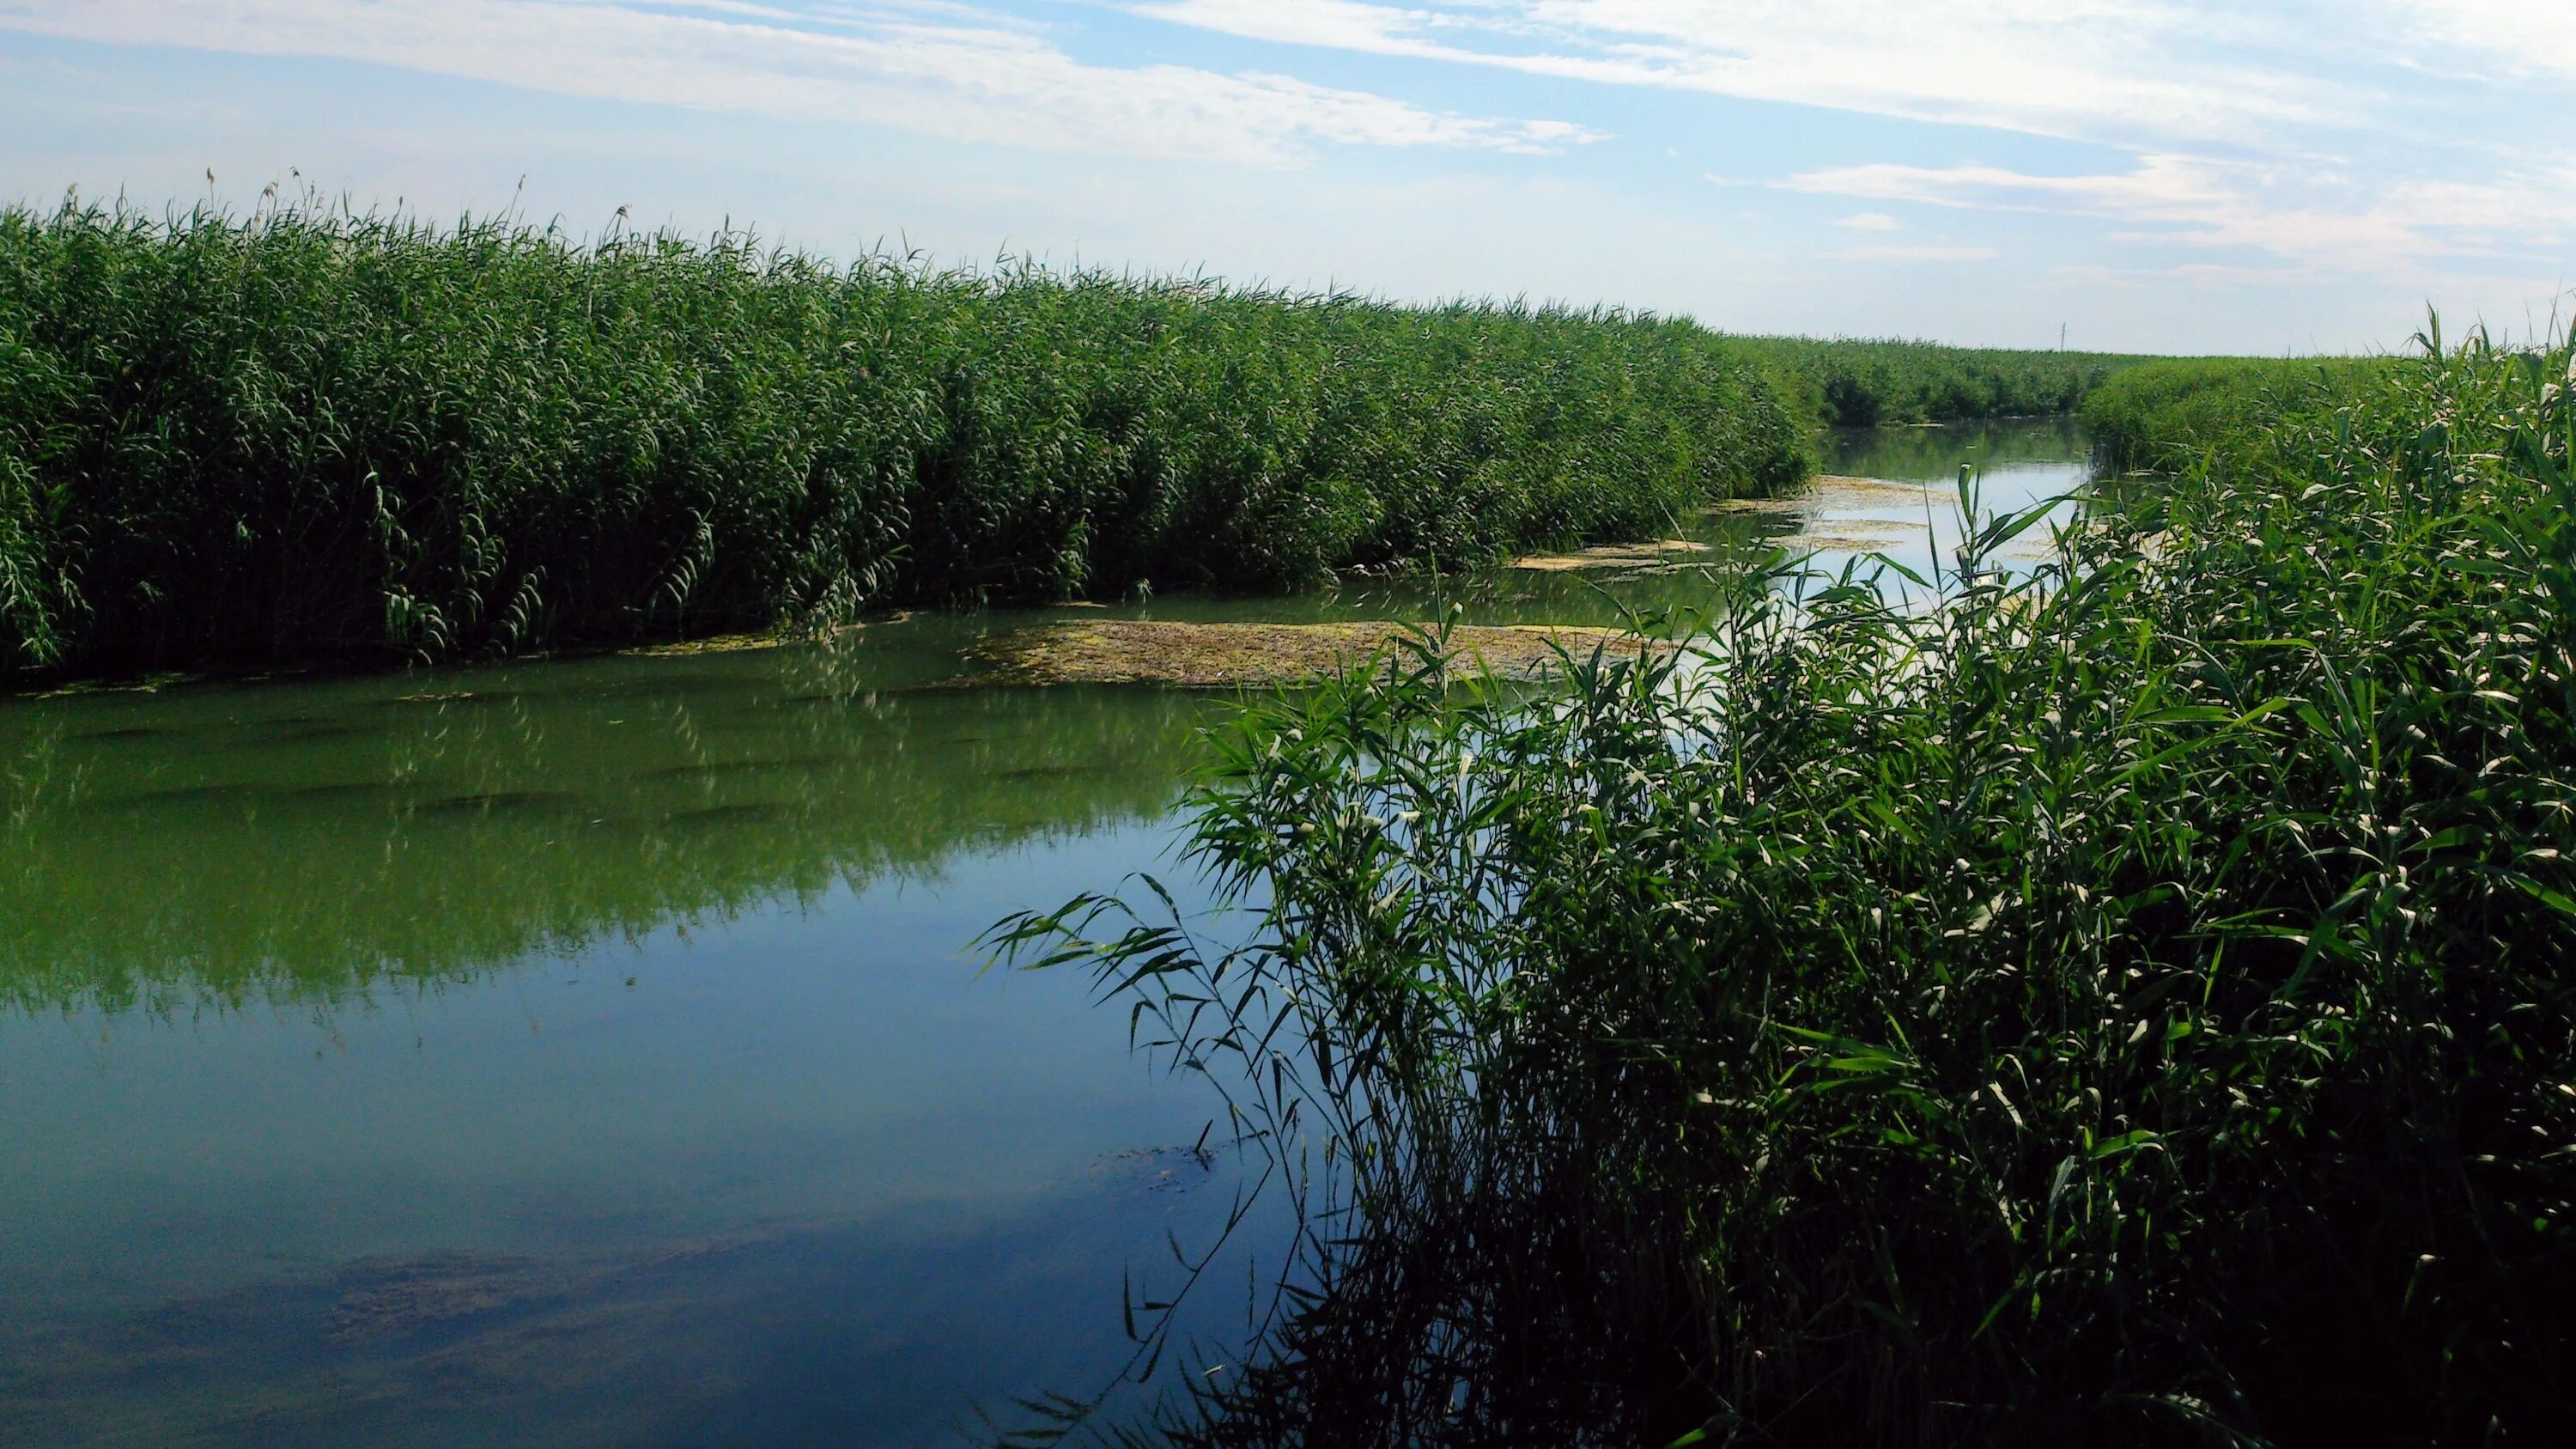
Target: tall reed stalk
x=311 y=434
x=2126 y=1004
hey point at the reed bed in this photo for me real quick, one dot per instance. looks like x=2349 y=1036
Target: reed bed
x=2155 y=416
x=312 y=435
x=2127 y=1004
x=1860 y=382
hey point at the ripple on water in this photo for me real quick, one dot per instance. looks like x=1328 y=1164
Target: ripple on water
x=722 y=815
x=181 y=797
x=1052 y=772
x=281 y=732
x=502 y=802
x=722 y=769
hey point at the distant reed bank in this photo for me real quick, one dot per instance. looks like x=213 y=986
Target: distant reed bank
x=312 y=435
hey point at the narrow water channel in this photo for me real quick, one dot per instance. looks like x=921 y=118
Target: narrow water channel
x=592 y=1051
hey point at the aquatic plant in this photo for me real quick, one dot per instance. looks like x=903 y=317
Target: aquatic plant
x=2125 y=1004
x=314 y=434
x=1860 y=382
x=2140 y=418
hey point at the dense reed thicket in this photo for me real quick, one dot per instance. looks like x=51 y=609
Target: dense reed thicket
x=2154 y=415
x=313 y=435
x=2126 y=1005
x=1860 y=383
x=309 y=435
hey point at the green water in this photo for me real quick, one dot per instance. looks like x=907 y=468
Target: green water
x=591 y=1051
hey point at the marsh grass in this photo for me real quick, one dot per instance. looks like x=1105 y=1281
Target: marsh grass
x=2151 y=417
x=2126 y=1004
x=314 y=435
x=1864 y=382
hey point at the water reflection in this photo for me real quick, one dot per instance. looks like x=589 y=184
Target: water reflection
x=585 y=1052
x=304 y=842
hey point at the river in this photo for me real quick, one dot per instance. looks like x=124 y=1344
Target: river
x=594 y=1051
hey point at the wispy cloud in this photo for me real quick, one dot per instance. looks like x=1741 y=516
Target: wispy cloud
x=2490 y=36
x=2393 y=231
x=2196 y=274
x=2089 y=69
x=945 y=70
x=2301 y=129
x=2342 y=159
x=1913 y=254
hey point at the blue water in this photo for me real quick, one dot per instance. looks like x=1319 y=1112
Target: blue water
x=597 y=1053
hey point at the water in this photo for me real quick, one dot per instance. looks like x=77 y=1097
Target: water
x=591 y=1052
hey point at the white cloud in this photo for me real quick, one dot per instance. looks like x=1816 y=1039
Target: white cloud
x=2292 y=151
x=2526 y=37
x=2112 y=70
x=1913 y=254
x=2392 y=233
x=944 y=70
x=2197 y=274
x=2302 y=129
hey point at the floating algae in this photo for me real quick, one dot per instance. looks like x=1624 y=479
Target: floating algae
x=1661 y=553
x=1833 y=493
x=389 y=1298
x=763 y=639
x=1145 y=651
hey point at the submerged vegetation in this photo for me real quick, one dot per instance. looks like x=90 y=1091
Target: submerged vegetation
x=309 y=435
x=2125 y=1005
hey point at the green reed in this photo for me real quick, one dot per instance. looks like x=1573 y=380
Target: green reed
x=1857 y=383
x=2127 y=1004
x=2148 y=412
x=311 y=434
x=314 y=434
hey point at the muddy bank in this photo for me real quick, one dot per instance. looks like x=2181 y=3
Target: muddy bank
x=1208 y=656
x=1659 y=553
x=1832 y=493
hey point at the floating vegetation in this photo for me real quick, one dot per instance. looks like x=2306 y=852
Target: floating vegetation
x=1830 y=493
x=1661 y=553
x=1209 y=656
x=387 y=1298
x=741 y=643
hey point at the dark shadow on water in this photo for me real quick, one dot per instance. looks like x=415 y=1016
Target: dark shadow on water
x=502 y=800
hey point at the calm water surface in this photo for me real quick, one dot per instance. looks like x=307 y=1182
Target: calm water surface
x=592 y=1052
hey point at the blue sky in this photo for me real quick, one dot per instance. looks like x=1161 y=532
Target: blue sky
x=2168 y=175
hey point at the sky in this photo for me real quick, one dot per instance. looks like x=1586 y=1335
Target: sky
x=2255 y=176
